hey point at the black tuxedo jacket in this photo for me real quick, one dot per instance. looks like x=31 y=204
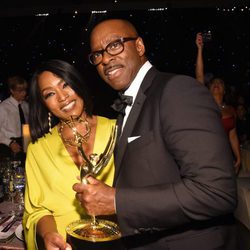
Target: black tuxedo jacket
x=174 y=179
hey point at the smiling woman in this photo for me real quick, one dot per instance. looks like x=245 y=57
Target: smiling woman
x=59 y=96
x=58 y=86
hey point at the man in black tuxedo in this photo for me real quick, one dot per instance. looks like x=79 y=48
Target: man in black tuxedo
x=174 y=185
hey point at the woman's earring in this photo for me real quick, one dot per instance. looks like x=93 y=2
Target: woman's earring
x=49 y=121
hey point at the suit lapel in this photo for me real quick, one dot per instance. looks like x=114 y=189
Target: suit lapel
x=132 y=119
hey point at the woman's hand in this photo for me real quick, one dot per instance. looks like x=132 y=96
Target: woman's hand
x=47 y=230
x=54 y=241
x=199 y=40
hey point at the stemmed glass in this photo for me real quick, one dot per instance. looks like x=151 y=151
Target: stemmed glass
x=9 y=189
x=19 y=184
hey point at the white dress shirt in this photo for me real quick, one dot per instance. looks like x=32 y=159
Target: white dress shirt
x=132 y=90
x=134 y=87
x=10 y=125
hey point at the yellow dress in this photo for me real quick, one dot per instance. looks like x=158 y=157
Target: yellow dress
x=50 y=175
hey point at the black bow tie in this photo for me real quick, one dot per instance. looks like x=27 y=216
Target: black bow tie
x=121 y=103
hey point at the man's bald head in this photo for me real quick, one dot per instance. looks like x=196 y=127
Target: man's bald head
x=117 y=69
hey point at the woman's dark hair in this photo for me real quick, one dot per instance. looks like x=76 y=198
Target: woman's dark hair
x=38 y=115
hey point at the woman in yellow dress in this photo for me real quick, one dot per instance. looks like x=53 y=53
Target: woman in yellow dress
x=58 y=94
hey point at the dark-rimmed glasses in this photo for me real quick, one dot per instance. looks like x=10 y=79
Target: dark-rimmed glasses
x=114 y=48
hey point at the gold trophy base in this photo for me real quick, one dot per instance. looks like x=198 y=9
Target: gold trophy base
x=104 y=235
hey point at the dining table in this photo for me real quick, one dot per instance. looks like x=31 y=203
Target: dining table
x=11 y=232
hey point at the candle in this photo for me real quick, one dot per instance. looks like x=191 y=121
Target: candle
x=26 y=136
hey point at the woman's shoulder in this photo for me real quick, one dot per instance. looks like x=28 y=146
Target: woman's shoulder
x=45 y=139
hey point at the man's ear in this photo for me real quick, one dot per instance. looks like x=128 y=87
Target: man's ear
x=140 y=47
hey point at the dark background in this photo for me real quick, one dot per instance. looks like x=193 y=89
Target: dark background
x=34 y=32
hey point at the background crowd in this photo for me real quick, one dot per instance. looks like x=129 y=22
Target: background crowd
x=172 y=48
x=171 y=32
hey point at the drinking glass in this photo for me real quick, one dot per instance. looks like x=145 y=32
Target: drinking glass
x=19 y=185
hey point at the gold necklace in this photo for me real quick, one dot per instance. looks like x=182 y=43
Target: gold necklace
x=78 y=138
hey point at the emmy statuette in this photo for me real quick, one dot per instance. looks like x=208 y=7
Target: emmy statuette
x=91 y=233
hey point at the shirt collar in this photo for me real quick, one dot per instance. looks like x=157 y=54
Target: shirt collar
x=14 y=101
x=136 y=83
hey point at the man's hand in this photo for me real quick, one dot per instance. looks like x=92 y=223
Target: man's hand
x=96 y=197
x=15 y=147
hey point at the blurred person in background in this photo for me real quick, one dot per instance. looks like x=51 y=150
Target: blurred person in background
x=242 y=124
x=218 y=90
x=14 y=112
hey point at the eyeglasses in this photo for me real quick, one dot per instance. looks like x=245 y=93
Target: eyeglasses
x=114 y=48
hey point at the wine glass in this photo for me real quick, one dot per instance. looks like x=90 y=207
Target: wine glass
x=9 y=189
x=19 y=184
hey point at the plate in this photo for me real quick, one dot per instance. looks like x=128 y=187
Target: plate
x=19 y=232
